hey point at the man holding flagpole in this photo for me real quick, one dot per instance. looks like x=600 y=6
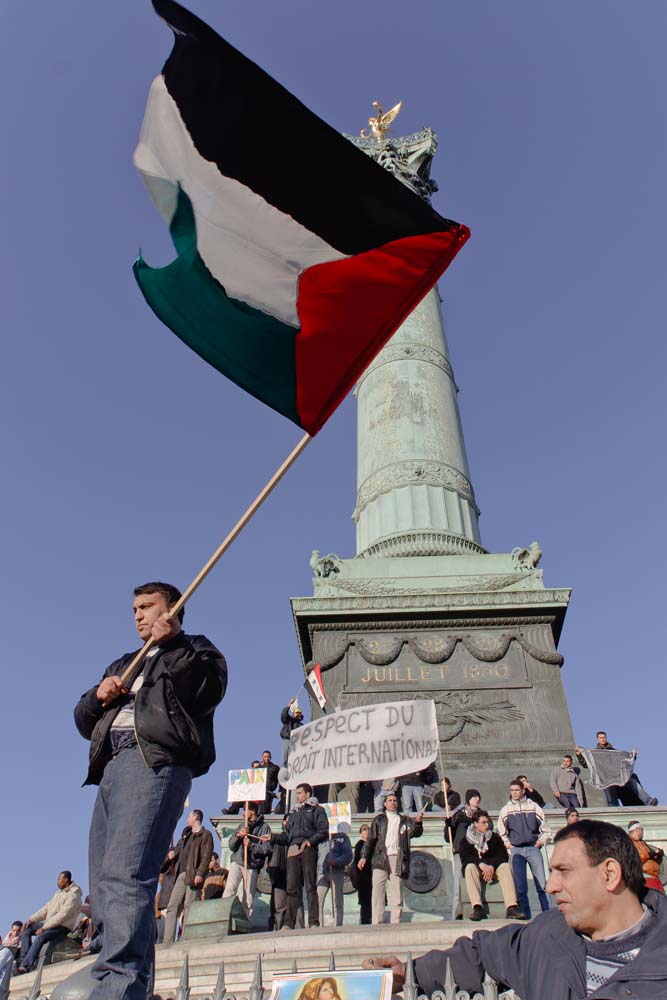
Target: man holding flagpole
x=150 y=734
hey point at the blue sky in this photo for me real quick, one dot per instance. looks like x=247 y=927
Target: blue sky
x=126 y=458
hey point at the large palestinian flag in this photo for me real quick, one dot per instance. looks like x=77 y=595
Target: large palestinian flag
x=298 y=255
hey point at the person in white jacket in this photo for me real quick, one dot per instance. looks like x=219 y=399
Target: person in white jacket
x=52 y=922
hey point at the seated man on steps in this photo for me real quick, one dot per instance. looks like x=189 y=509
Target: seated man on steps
x=484 y=858
x=51 y=923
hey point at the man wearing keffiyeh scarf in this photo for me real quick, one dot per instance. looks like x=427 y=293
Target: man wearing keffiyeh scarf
x=484 y=859
x=479 y=838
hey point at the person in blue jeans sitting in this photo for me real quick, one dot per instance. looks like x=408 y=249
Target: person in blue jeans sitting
x=524 y=830
x=51 y=923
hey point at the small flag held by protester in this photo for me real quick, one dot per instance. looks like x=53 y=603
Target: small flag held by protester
x=315 y=681
x=287 y=280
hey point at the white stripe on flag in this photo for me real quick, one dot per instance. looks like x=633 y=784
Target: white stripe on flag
x=315 y=681
x=254 y=250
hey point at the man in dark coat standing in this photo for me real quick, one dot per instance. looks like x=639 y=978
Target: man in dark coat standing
x=362 y=878
x=306 y=827
x=149 y=736
x=387 y=850
x=606 y=938
x=191 y=859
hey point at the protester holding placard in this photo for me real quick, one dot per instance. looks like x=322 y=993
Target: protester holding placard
x=306 y=827
x=248 y=854
x=387 y=850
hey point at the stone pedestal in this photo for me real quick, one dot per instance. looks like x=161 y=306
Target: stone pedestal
x=477 y=633
x=423 y=609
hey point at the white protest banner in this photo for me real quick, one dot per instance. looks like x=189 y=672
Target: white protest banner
x=337 y=812
x=247 y=785
x=363 y=744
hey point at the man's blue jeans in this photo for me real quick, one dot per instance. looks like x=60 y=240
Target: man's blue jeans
x=31 y=943
x=521 y=858
x=569 y=800
x=134 y=817
x=410 y=794
x=634 y=785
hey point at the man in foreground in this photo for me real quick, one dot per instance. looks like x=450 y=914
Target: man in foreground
x=607 y=937
x=148 y=738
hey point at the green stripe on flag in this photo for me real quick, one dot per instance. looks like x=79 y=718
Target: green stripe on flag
x=251 y=348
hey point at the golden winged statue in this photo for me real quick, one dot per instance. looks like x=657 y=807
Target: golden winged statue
x=380 y=124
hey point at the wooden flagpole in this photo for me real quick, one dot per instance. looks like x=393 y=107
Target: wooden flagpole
x=447 y=812
x=245 y=859
x=222 y=548
x=331 y=885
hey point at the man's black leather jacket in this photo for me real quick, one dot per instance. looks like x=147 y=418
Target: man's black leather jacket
x=173 y=711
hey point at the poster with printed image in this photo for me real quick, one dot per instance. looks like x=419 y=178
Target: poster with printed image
x=338 y=812
x=374 y=984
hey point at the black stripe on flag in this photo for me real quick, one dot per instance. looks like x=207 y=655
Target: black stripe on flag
x=251 y=128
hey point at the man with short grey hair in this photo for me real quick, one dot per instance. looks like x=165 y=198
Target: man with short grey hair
x=607 y=936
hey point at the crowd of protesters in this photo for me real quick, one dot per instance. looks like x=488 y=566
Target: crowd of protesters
x=305 y=862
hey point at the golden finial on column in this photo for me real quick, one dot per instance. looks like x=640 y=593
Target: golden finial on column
x=382 y=121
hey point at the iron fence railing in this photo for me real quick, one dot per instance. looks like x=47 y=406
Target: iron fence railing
x=257 y=990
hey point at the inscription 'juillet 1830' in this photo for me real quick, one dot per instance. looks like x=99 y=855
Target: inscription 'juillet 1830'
x=427 y=674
